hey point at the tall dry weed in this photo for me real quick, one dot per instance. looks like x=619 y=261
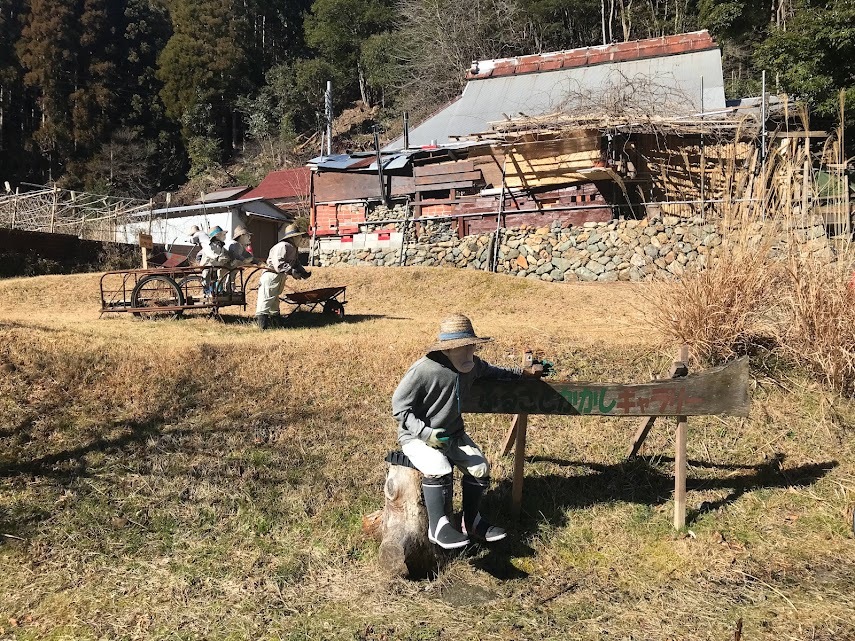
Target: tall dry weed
x=818 y=333
x=727 y=310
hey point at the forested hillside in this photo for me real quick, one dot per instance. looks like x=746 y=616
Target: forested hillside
x=133 y=96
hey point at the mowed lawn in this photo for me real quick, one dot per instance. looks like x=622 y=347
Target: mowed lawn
x=200 y=480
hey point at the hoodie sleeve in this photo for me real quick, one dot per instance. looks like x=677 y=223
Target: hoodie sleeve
x=483 y=369
x=404 y=401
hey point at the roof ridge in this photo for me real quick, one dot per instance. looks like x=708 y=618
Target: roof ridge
x=599 y=54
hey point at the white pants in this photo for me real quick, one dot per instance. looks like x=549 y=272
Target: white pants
x=461 y=451
x=270 y=286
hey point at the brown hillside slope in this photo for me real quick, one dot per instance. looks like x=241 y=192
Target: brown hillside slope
x=197 y=480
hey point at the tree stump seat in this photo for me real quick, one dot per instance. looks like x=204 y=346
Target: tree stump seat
x=402 y=525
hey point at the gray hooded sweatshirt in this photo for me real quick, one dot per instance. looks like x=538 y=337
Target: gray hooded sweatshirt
x=428 y=397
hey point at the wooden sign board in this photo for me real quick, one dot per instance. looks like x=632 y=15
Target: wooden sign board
x=146 y=241
x=717 y=391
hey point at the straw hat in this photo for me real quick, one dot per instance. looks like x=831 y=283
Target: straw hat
x=291 y=231
x=456 y=331
x=217 y=232
x=240 y=230
x=192 y=230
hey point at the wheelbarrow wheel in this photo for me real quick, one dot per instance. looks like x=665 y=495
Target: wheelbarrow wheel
x=334 y=308
x=154 y=292
x=193 y=290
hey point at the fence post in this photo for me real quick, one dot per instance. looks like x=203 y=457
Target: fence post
x=15 y=206
x=53 y=208
x=680 y=462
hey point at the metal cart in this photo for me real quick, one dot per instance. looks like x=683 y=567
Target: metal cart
x=167 y=292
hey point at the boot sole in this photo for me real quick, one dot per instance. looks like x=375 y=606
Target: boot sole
x=484 y=539
x=448 y=546
x=493 y=539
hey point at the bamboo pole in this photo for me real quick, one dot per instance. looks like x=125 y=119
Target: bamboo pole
x=494 y=258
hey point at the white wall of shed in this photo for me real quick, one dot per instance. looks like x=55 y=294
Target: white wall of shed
x=175 y=231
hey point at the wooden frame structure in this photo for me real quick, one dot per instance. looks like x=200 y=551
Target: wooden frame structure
x=401 y=526
x=717 y=391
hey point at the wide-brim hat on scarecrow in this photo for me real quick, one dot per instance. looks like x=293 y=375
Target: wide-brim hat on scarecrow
x=217 y=232
x=456 y=331
x=291 y=231
x=240 y=230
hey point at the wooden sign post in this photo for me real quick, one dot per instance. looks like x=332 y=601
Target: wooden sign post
x=717 y=391
x=680 y=461
x=401 y=524
x=145 y=244
x=516 y=436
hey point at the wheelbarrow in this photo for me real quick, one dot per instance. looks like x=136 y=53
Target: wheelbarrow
x=331 y=299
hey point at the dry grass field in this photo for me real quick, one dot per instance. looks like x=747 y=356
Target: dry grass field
x=200 y=480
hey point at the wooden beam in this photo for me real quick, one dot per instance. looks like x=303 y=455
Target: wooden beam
x=519 y=466
x=450 y=177
x=510 y=436
x=680 y=468
x=645 y=424
x=799 y=134
x=680 y=460
x=460 y=184
x=444 y=168
x=717 y=391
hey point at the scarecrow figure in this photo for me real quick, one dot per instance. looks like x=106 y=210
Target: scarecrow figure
x=238 y=248
x=431 y=432
x=239 y=254
x=282 y=261
x=214 y=255
x=199 y=239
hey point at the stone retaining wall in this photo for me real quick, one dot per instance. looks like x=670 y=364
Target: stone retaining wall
x=629 y=250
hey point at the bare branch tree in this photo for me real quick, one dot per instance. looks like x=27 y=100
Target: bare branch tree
x=441 y=39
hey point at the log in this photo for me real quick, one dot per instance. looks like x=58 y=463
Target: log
x=401 y=526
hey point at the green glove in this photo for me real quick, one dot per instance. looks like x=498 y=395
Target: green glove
x=548 y=367
x=438 y=439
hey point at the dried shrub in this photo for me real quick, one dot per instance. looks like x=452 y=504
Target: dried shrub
x=722 y=312
x=795 y=308
x=115 y=256
x=818 y=332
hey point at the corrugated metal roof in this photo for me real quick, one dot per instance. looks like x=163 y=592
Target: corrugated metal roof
x=390 y=162
x=393 y=160
x=255 y=206
x=361 y=161
x=226 y=193
x=335 y=162
x=668 y=86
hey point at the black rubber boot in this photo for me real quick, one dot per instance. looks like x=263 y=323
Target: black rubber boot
x=473 y=524
x=263 y=321
x=437 y=491
x=276 y=321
